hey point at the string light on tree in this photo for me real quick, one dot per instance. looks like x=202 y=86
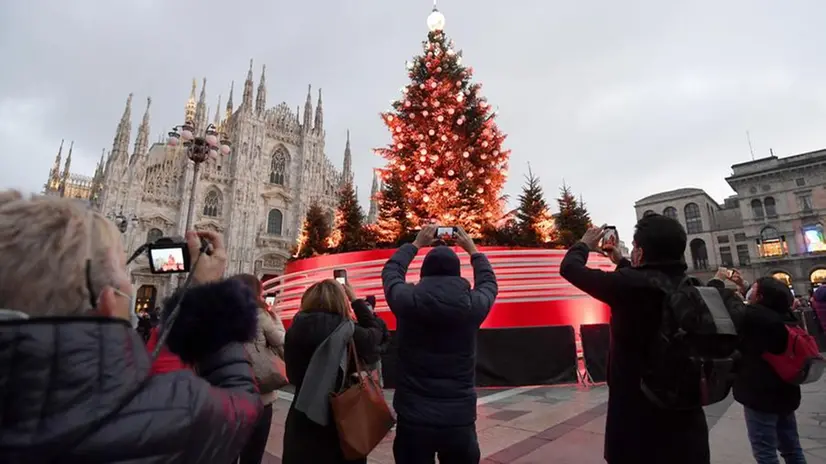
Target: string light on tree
x=446 y=152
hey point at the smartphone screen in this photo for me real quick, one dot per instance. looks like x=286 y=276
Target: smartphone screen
x=444 y=231
x=609 y=240
x=340 y=275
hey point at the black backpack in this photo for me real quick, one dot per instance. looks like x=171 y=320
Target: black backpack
x=691 y=363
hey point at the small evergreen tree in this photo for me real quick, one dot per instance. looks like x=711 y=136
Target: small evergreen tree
x=572 y=220
x=534 y=222
x=314 y=233
x=349 y=229
x=393 y=224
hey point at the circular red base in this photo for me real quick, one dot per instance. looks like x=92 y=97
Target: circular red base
x=531 y=291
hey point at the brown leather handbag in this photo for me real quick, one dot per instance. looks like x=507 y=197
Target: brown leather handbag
x=361 y=414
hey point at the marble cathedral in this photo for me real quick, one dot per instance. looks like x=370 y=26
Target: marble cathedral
x=256 y=196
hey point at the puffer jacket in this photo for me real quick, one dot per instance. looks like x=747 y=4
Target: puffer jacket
x=437 y=321
x=79 y=389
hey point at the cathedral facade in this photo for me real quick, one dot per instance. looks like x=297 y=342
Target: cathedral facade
x=256 y=196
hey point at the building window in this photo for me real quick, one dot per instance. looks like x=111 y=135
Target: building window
x=693 y=220
x=771 y=243
x=275 y=221
x=699 y=254
x=722 y=239
x=739 y=237
x=757 y=209
x=212 y=203
x=145 y=298
x=783 y=277
x=771 y=207
x=743 y=255
x=153 y=235
x=278 y=166
x=818 y=277
x=805 y=202
x=726 y=259
x=648 y=213
x=670 y=212
x=814 y=239
x=800 y=181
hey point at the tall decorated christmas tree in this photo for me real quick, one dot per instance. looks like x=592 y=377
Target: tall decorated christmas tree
x=572 y=220
x=445 y=163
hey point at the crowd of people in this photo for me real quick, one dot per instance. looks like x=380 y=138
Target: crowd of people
x=197 y=381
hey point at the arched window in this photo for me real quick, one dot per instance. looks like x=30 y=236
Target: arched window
x=783 y=277
x=153 y=235
x=670 y=212
x=275 y=221
x=771 y=243
x=757 y=209
x=818 y=277
x=771 y=207
x=699 y=254
x=212 y=203
x=145 y=298
x=648 y=213
x=278 y=167
x=693 y=220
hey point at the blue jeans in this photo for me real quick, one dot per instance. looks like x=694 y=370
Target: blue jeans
x=770 y=433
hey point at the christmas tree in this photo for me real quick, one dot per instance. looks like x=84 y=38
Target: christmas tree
x=314 y=234
x=535 y=223
x=348 y=234
x=446 y=163
x=572 y=220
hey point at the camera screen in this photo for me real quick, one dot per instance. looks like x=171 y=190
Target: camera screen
x=167 y=260
x=270 y=300
x=341 y=276
x=442 y=231
x=342 y=280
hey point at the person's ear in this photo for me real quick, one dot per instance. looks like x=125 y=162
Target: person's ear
x=108 y=303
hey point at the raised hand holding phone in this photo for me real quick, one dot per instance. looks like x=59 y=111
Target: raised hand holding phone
x=426 y=236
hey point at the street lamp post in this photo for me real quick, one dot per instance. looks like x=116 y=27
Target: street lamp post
x=121 y=221
x=198 y=149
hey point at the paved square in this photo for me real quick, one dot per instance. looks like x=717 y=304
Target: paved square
x=566 y=424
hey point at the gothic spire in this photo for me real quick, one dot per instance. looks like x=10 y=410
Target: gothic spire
x=120 y=146
x=372 y=215
x=308 y=109
x=189 y=114
x=319 y=115
x=217 y=119
x=57 y=159
x=200 y=109
x=261 y=98
x=229 y=102
x=347 y=171
x=247 y=98
x=65 y=178
x=142 y=140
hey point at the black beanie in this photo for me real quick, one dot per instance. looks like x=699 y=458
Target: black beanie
x=441 y=261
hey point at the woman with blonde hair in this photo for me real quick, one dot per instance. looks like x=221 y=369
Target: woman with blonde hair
x=324 y=307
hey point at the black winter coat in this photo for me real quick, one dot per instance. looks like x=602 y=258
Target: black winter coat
x=304 y=440
x=636 y=431
x=757 y=386
x=64 y=377
x=436 y=325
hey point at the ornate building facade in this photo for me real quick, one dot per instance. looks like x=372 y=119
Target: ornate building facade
x=772 y=226
x=256 y=196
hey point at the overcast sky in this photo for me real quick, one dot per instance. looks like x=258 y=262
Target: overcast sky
x=619 y=99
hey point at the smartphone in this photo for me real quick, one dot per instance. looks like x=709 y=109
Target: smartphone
x=610 y=239
x=445 y=232
x=340 y=275
x=168 y=255
x=730 y=273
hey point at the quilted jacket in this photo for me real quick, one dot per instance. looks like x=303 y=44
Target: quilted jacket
x=79 y=390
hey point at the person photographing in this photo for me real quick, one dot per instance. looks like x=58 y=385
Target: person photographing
x=437 y=321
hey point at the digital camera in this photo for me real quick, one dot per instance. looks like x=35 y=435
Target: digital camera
x=168 y=255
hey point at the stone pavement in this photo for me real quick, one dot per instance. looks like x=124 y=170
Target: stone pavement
x=565 y=425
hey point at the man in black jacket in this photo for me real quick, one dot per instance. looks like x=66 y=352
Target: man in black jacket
x=436 y=325
x=76 y=379
x=637 y=431
x=769 y=402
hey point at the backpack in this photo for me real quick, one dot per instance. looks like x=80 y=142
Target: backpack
x=801 y=362
x=691 y=362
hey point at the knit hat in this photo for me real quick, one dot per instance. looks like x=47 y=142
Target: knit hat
x=820 y=294
x=441 y=261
